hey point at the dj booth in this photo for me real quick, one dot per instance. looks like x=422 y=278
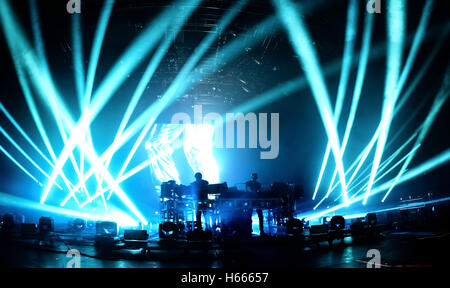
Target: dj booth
x=227 y=211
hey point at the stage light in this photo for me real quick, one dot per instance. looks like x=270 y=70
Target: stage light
x=22 y=203
x=439 y=101
x=197 y=144
x=180 y=81
x=391 y=157
x=400 y=105
x=163 y=140
x=385 y=165
x=418 y=39
x=362 y=67
x=143 y=82
x=106 y=228
x=427 y=166
x=32 y=106
x=97 y=47
x=230 y=51
x=126 y=63
x=38 y=122
x=361 y=158
x=141 y=46
x=23 y=133
x=37 y=35
x=395 y=26
x=78 y=225
x=17 y=41
x=119 y=192
x=389 y=170
x=402 y=101
x=46 y=225
x=77 y=46
x=14 y=143
x=376 y=52
x=394 y=81
x=301 y=42
x=92 y=68
x=19 y=165
x=45 y=85
x=79 y=74
x=337 y=223
x=350 y=35
x=382 y=167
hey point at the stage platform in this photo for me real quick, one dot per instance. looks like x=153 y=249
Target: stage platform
x=397 y=249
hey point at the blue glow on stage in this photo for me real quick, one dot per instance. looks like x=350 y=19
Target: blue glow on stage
x=195 y=140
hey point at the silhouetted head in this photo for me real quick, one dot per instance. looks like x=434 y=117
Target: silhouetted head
x=254 y=176
x=198 y=176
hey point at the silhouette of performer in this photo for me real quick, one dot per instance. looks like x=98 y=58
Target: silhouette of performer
x=199 y=194
x=254 y=186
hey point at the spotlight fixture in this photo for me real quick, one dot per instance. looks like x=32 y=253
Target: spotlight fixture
x=106 y=233
x=106 y=228
x=78 y=225
x=337 y=223
x=46 y=225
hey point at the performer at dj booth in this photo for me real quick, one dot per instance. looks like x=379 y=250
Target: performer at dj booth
x=199 y=193
x=254 y=186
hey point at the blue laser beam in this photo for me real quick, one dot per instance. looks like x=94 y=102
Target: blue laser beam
x=350 y=35
x=145 y=79
x=230 y=51
x=402 y=101
x=301 y=41
x=402 y=160
x=433 y=163
x=439 y=101
x=362 y=68
x=19 y=202
x=19 y=165
x=180 y=80
x=117 y=75
x=17 y=146
x=53 y=97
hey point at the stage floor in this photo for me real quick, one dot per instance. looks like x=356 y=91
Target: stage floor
x=402 y=249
